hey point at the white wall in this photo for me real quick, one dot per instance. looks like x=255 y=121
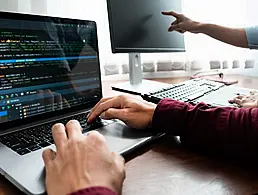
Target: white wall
x=199 y=47
x=9 y=5
x=232 y=13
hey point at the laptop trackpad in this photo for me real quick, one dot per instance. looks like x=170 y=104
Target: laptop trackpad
x=120 y=137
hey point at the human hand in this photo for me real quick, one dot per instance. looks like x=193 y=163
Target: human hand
x=134 y=112
x=81 y=162
x=182 y=24
x=246 y=101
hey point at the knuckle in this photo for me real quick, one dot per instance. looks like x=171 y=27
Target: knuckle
x=121 y=97
x=74 y=143
x=103 y=100
x=45 y=153
x=96 y=136
x=101 y=105
x=125 y=114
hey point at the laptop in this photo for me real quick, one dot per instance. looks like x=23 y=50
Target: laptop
x=49 y=73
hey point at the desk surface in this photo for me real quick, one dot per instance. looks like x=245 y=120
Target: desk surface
x=164 y=167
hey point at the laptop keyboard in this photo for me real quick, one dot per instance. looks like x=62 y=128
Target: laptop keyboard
x=35 y=138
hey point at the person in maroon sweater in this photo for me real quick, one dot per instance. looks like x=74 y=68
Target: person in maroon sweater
x=83 y=165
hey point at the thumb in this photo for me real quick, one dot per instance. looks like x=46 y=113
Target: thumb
x=113 y=113
x=48 y=156
x=231 y=101
x=173 y=27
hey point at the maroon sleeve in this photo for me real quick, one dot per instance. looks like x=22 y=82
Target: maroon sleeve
x=94 y=191
x=230 y=131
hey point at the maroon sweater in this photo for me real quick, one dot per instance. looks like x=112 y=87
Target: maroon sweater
x=230 y=131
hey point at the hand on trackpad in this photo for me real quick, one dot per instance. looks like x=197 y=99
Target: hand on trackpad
x=249 y=100
x=133 y=111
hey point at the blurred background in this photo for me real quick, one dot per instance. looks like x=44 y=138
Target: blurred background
x=202 y=52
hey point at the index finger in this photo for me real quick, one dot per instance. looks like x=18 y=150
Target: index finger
x=170 y=13
x=103 y=106
x=97 y=105
x=74 y=129
x=59 y=134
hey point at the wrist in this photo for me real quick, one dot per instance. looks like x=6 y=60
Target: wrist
x=151 y=111
x=201 y=27
x=205 y=28
x=107 y=185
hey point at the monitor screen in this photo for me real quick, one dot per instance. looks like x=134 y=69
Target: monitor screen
x=139 y=26
x=47 y=65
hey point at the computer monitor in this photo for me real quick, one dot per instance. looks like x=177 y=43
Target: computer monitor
x=137 y=26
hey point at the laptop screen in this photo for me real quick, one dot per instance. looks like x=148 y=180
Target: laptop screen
x=47 y=65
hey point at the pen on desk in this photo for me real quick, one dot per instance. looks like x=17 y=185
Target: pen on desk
x=242 y=94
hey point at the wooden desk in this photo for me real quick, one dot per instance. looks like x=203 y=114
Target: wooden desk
x=164 y=167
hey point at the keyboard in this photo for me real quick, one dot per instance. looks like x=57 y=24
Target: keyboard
x=187 y=91
x=35 y=138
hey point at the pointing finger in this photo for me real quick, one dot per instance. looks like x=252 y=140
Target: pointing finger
x=171 y=13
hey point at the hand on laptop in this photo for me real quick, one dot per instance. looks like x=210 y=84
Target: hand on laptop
x=81 y=162
x=133 y=111
x=246 y=101
x=182 y=24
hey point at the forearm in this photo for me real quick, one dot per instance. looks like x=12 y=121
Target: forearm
x=232 y=131
x=232 y=36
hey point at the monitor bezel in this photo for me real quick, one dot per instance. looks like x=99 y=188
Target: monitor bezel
x=115 y=49
x=5 y=126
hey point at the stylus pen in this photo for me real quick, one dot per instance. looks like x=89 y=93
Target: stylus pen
x=242 y=94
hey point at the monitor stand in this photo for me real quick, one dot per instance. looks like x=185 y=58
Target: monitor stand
x=137 y=85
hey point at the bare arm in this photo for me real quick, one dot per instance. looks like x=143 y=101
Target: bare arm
x=232 y=36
